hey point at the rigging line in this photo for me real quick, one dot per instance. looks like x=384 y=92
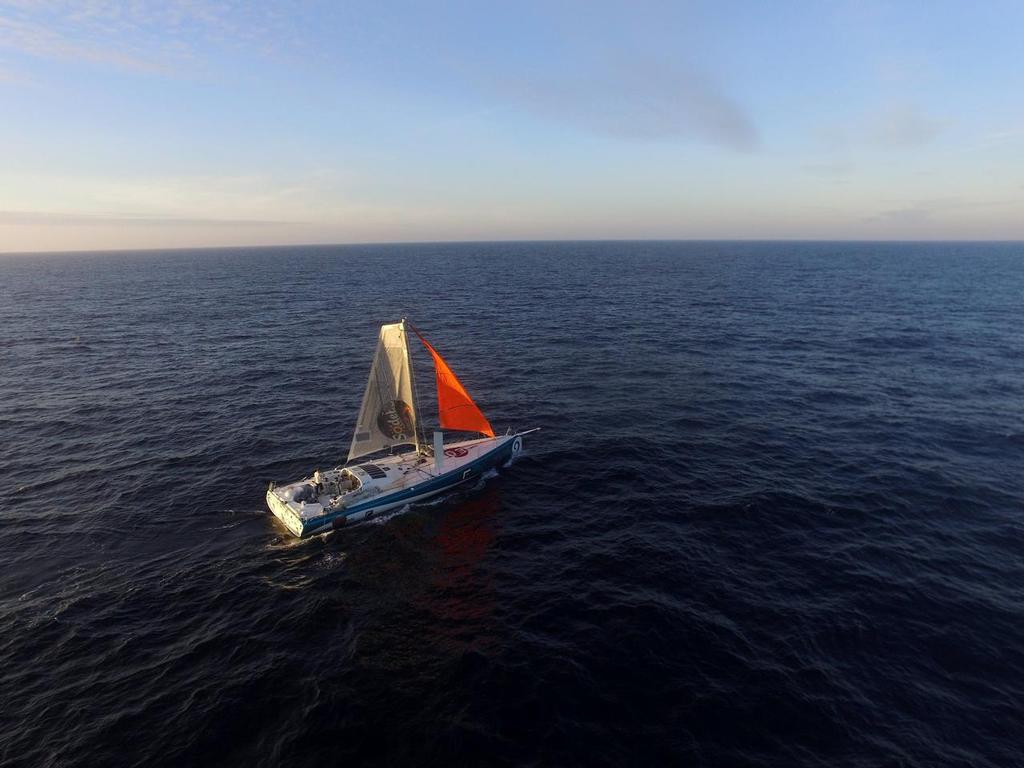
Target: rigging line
x=420 y=435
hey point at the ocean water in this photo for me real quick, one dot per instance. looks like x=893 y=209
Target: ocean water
x=773 y=517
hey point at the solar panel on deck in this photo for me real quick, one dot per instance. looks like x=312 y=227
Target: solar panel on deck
x=373 y=471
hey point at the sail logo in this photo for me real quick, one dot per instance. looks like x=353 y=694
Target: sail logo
x=395 y=422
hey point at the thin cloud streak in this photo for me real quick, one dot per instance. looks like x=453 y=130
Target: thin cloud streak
x=13 y=77
x=925 y=211
x=902 y=126
x=43 y=42
x=164 y=36
x=894 y=127
x=57 y=219
x=646 y=102
x=828 y=170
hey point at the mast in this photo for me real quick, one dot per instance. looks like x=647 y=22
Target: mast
x=412 y=384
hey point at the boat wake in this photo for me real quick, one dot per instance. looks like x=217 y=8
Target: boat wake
x=384 y=517
x=330 y=561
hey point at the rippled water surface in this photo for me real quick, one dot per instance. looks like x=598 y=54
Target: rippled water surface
x=774 y=516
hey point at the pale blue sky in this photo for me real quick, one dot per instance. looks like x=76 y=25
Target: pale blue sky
x=181 y=123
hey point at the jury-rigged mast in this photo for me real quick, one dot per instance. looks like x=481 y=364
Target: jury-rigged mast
x=388 y=415
x=412 y=384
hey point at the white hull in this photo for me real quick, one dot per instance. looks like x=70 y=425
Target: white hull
x=321 y=503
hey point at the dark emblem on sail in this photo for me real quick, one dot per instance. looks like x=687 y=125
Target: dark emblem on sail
x=395 y=421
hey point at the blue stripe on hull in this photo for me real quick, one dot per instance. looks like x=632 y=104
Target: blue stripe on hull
x=448 y=480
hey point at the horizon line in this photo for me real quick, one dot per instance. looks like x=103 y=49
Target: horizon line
x=372 y=243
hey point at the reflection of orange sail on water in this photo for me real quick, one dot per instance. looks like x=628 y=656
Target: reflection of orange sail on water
x=456 y=408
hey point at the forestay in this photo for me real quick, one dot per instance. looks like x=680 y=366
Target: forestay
x=387 y=417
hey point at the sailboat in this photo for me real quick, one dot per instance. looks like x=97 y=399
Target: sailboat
x=389 y=463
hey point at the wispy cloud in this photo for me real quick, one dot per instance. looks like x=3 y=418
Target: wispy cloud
x=41 y=41
x=147 y=36
x=895 y=126
x=1005 y=135
x=903 y=125
x=63 y=219
x=12 y=76
x=643 y=101
x=209 y=201
x=827 y=170
x=924 y=211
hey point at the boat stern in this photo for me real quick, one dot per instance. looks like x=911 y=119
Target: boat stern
x=284 y=512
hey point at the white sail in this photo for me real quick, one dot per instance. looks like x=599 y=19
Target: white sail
x=388 y=414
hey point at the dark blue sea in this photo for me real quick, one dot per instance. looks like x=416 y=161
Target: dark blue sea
x=774 y=517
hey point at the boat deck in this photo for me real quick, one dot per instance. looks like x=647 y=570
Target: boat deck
x=356 y=491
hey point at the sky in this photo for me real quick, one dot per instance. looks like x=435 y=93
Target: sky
x=178 y=123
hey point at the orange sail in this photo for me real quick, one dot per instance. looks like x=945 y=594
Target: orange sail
x=455 y=407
